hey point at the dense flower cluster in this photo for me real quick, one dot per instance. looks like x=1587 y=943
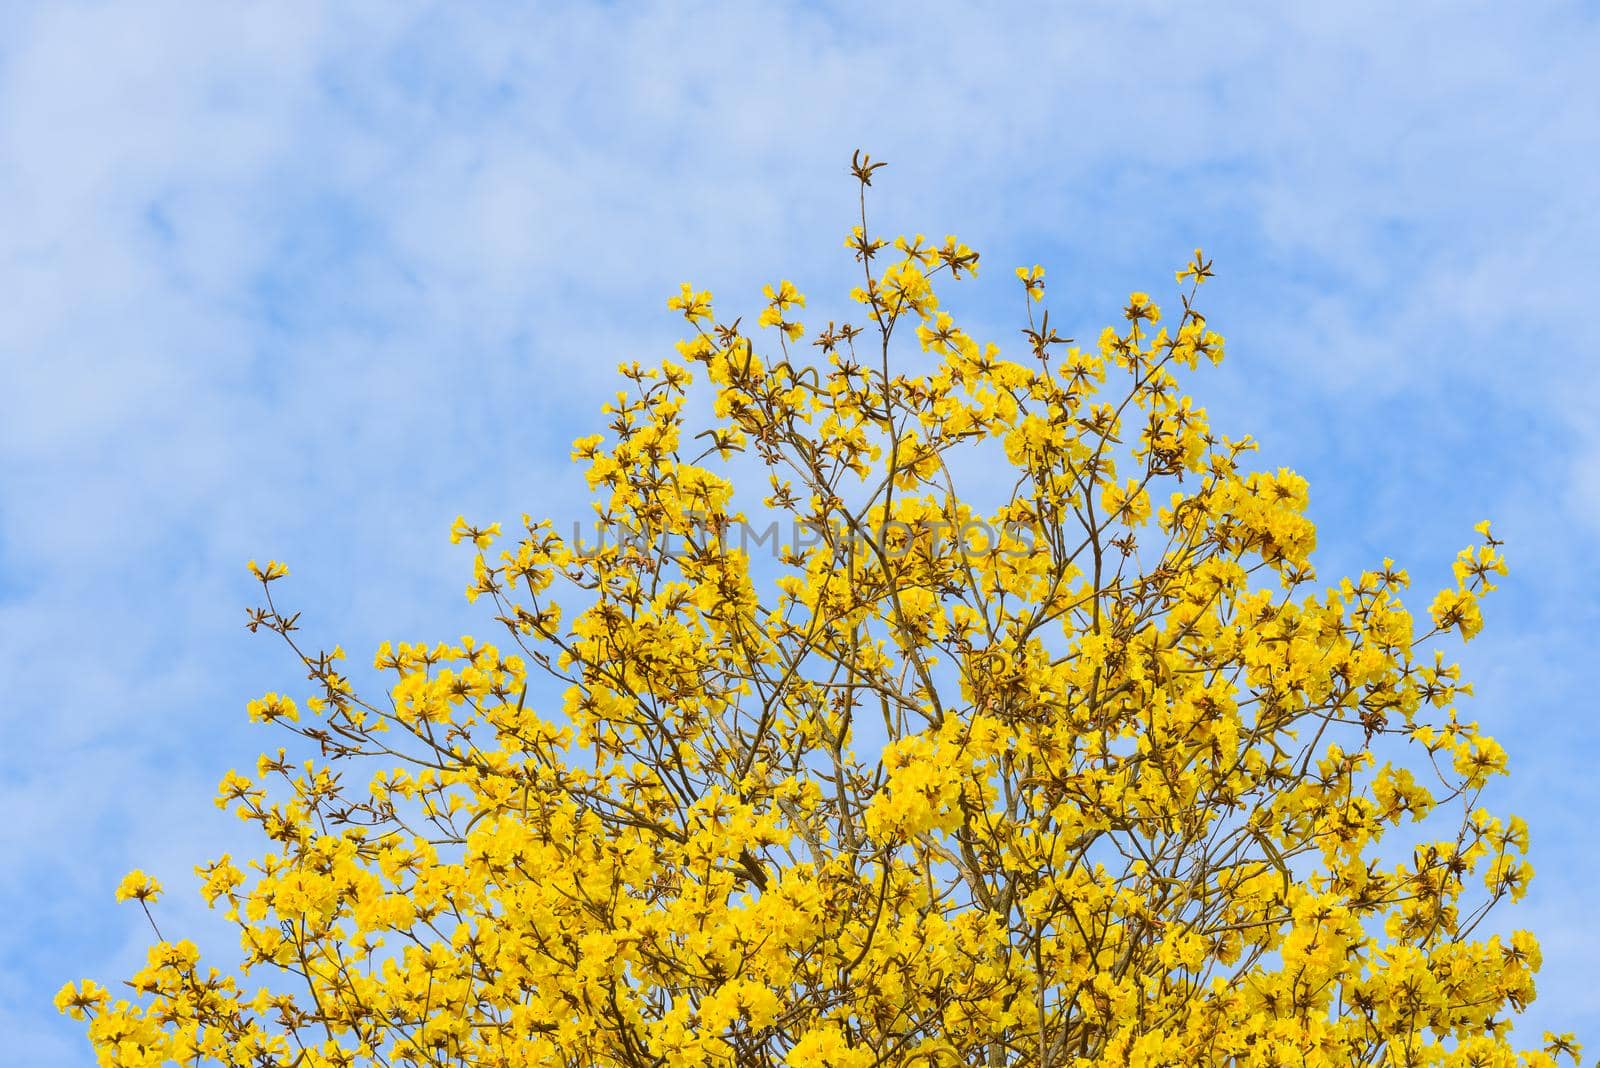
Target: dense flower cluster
x=1124 y=786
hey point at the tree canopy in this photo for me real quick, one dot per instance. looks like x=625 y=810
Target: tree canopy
x=1013 y=726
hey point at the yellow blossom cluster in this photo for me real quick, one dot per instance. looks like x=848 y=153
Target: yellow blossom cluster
x=1045 y=748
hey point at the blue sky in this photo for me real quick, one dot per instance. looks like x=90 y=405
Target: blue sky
x=305 y=283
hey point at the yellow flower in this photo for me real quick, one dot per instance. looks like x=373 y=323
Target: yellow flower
x=1032 y=281
x=784 y=296
x=1199 y=269
x=696 y=307
x=139 y=886
x=1128 y=504
x=1457 y=609
x=272 y=707
x=75 y=1003
x=1140 y=307
x=779 y=301
x=481 y=537
x=271 y=573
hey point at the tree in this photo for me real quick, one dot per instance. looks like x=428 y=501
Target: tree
x=1072 y=764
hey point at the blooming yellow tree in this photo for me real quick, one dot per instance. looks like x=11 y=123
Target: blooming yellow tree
x=1021 y=734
